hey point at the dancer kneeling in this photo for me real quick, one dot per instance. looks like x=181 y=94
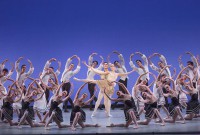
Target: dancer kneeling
x=27 y=110
x=55 y=112
x=174 y=106
x=8 y=100
x=77 y=114
x=151 y=108
x=130 y=110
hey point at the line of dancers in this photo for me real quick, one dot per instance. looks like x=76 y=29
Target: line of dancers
x=149 y=94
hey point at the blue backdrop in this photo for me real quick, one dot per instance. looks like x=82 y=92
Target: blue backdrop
x=42 y=29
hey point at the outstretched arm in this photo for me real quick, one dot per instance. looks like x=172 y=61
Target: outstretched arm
x=10 y=88
x=174 y=74
x=131 y=63
x=193 y=58
x=90 y=59
x=101 y=64
x=79 y=90
x=142 y=100
x=179 y=75
x=57 y=91
x=39 y=97
x=31 y=68
x=3 y=63
x=162 y=72
x=172 y=82
x=17 y=64
x=69 y=95
x=99 y=71
x=154 y=79
x=55 y=76
x=139 y=78
x=151 y=64
x=88 y=101
x=29 y=87
x=78 y=66
x=127 y=73
x=180 y=62
x=123 y=86
x=120 y=56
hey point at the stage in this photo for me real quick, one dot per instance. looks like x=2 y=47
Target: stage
x=191 y=127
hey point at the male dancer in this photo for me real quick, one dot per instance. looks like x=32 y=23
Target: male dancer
x=91 y=74
x=120 y=68
x=66 y=75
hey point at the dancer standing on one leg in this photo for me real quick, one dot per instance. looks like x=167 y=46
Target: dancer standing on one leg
x=91 y=74
x=130 y=110
x=120 y=68
x=66 y=75
x=77 y=114
x=107 y=82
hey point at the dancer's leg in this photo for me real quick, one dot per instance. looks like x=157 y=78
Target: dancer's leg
x=100 y=96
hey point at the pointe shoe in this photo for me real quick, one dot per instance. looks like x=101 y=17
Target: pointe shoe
x=93 y=114
x=109 y=115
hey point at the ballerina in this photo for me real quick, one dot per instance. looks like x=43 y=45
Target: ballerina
x=9 y=99
x=136 y=92
x=174 y=106
x=55 y=113
x=151 y=108
x=130 y=109
x=107 y=78
x=27 y=110
x=77 y=114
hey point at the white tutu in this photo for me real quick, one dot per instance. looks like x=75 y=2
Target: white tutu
x=41 y=104
x=17 y=105
x=157 y=92
x=4 y=91
x=183 y=98
x=137 y=102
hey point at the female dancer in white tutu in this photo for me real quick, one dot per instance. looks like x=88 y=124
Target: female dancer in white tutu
x=40 y=105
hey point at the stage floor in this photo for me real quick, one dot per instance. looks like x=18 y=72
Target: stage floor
x=191 y=127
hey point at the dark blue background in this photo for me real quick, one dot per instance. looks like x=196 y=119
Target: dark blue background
x=42 y=29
